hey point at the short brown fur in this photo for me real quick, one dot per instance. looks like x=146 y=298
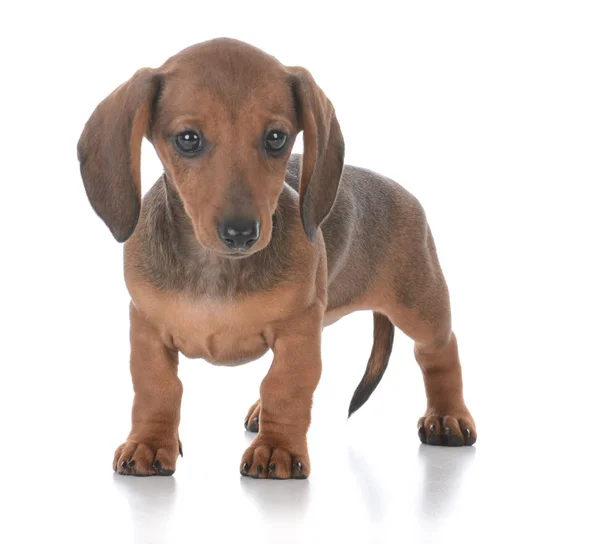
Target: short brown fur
x=333 y=240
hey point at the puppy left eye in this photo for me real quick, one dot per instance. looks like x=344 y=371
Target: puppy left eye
x=275 y=140
x=188 y=142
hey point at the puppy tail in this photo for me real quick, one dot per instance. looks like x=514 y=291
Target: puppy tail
x=383 y=340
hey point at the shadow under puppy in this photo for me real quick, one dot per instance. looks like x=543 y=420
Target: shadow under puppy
x=241 y=247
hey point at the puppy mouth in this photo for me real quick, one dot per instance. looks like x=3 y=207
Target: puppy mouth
x=235 y=254
x=239 y=254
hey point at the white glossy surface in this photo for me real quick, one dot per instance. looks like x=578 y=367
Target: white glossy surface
x=489 y=114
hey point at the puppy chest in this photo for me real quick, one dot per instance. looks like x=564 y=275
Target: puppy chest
x=223 y=347
x=221 y=331
x=220 y=334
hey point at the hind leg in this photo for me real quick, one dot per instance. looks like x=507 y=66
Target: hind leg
x=447 y=421
x=422 y=310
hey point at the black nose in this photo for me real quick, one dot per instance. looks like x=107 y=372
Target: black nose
x=238 y=233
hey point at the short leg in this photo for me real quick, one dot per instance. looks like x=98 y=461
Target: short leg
x=152 y=446
x=280 y=450
x=447 y=421
x=422 y=311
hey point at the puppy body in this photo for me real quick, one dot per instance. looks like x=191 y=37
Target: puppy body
x=370 y=233
x=331 y=242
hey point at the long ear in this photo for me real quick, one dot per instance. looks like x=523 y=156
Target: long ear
x=323 y=158
x=109 y=152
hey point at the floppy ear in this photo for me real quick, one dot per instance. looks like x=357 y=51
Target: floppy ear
x=109 y=152
x=323 y=158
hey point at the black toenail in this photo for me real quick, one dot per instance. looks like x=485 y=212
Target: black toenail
x=422 y=434
x=245 y=468
x=259 y=469
x=180 y=449
x=468 y=433
x=298 y=475
x=246 y=422
x=123 y=464
x=131 y=463
x=431 y=428
x=157 y=465
x=272 y=467
x=255 y=421
x=469 y=439
x=447 y=431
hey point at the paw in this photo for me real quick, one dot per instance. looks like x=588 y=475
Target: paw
x=251 y=421
x=457 y=429
x=264 y=459
x=147 y=457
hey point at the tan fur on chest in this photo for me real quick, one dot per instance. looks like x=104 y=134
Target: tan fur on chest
x=220 y=330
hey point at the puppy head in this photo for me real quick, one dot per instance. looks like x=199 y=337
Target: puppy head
x=223 y=117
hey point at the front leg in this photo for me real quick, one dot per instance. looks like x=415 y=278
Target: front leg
x=280 y=451
x=153 y=444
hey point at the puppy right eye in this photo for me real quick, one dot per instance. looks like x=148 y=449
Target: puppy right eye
x=188 y=142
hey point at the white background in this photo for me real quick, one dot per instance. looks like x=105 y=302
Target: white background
x=488 y=112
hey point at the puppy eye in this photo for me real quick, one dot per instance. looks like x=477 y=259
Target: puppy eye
x=188 y=142
x=275 y=140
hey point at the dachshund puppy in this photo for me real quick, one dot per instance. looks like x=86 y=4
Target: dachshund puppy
x=241 y=247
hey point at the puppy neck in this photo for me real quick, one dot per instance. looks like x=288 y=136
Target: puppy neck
x=172 y=258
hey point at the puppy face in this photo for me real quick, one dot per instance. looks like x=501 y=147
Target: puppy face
x=224 y=137
x=223 y=117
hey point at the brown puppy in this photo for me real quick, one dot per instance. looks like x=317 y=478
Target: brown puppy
x=226 y=258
